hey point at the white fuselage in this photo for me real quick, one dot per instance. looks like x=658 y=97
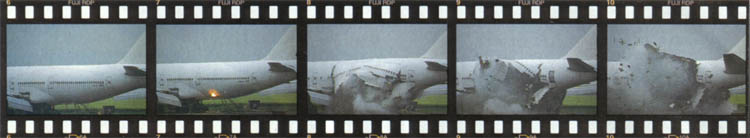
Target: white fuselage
x=712 y=75
x=220 y=79
x=71 y=84
x=321 y=74
x=554 y=72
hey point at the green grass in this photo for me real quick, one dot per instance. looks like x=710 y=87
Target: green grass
x=737 y=99
x=441 y=100
x=579 y=100
x=291 y=98
x=286 y=98
x=134 y=104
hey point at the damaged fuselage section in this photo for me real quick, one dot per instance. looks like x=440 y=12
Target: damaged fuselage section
x=501 y=86
x=647 y=81
x=374 y=86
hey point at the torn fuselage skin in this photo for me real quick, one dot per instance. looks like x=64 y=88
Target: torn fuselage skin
x=517 y=86
x=647 y=81
x=374 y=86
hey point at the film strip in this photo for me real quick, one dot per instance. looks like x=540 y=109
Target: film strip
x=310 y=17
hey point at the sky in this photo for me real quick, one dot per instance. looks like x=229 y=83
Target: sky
x=70 y=44
x=517 y=41
x=210 y=43
x=700 y=42
x=328 y=42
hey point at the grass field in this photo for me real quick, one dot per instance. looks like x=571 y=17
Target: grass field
x=433 y=100
x=134 y=106
x=287 y=102
x=579 y=100
x=737 y=99
x=275 y=103
x=286 y=98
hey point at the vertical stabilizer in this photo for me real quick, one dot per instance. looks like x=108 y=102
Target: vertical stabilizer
x=585 y=49
x=286 y=48
x=439 y=49
x=739 y=48
x=137 y=53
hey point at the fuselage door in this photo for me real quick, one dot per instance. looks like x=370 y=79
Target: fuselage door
x=252 y=78
x=160 y=80
x=49 y=83
x=551 y=76
x=706 y=77
x=108 y=82
x=196 y=80
x=410 y=75
x=11 y=85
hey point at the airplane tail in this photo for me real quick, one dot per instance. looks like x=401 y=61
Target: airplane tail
x=739 y=48
x=286 y=48
x=439 y=49
x=585 y=49
x=734 y=60
x=578 y=65
x=734 y=64
x=137 y=53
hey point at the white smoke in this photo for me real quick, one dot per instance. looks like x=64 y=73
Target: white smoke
x=647 y=81
x=500 y=88
x=362 y=92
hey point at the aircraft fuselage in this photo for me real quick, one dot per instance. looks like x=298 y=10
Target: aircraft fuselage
x=220 y=79
x=712 y=75
x=321 y=75
x=554 y=72
x=74 y=84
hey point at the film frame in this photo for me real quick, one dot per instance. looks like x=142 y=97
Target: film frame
x=448 y=125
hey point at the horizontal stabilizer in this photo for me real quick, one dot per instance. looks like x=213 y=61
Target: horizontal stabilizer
x=433 y=92
x=734 y=64
x=286 y=88
x=432 y=65
x=320 y=99
x=139 y=93
x=20 y=104
x=134 y=71
x=278 y=67
x=576 y=64
x=168 y=99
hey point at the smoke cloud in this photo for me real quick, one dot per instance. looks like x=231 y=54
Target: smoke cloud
x=647 y=81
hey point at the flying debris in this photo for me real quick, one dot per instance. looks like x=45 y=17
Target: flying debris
x=647 y=81
x=527 y=86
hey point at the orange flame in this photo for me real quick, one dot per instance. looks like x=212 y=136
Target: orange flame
x=213 y=92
